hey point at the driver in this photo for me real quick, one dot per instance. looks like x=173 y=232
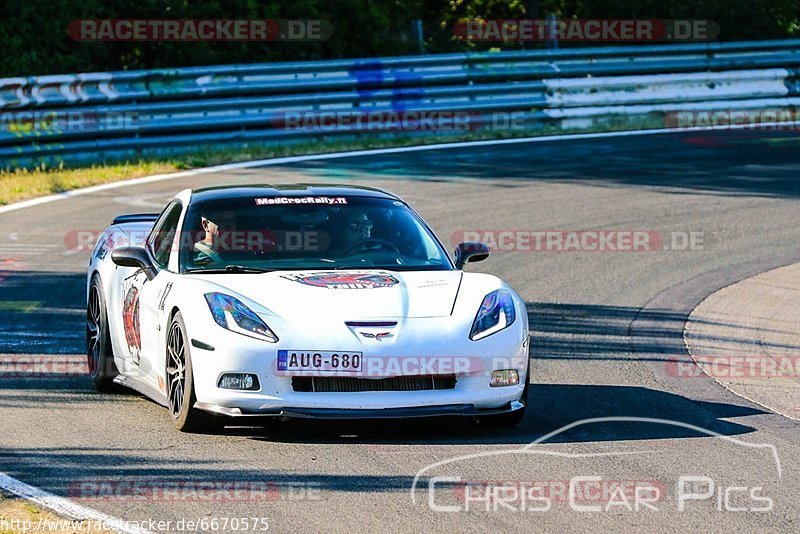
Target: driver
x=356 y=229
x=216 y=228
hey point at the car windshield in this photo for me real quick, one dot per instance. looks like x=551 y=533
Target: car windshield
x=314 y=232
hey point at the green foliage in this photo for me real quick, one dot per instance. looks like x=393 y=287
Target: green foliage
x=737 y=19
x=35 y=41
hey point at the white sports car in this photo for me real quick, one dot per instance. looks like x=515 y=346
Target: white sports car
x=301 y=301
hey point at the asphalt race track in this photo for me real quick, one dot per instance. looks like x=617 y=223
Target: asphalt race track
x=607 y=339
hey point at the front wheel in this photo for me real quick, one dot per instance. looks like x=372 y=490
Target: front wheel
x=99 y=354
x=180 y=381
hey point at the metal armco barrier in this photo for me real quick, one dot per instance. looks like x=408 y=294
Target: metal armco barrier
x=85 y=118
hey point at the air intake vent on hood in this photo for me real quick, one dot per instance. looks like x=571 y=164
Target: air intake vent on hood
x=370 y=323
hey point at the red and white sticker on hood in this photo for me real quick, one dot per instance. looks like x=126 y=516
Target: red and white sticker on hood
x=348 y=280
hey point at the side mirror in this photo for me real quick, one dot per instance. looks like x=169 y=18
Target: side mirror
x=135 y=257
x=470 y=252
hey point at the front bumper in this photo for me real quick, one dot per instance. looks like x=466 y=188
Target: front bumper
x=463 y=410
x=429 y=337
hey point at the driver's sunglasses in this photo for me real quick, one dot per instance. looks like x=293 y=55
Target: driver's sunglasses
x=360 y=225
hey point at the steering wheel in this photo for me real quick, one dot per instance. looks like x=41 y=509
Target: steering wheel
x=362 y=244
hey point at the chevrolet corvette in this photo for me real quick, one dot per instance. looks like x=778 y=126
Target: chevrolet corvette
x=301 y=301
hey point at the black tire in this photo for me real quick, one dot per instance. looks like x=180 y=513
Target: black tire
x=99 y=354
x=180 y=383
x=511 y=419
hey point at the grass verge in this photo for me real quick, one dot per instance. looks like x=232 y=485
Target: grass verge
x=19 y=516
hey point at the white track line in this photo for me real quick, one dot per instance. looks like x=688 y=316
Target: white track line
x=65 y=508
x=337 y=155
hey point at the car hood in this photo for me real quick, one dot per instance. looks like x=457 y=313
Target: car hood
x=348 y=294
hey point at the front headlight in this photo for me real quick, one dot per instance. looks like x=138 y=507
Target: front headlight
x=496 y=313
x=232 y=315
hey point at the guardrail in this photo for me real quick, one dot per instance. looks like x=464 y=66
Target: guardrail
x=81 y=118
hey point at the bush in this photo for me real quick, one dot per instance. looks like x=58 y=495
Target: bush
x=35 y=41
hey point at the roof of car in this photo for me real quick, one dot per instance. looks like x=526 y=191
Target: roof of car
x=287 y=190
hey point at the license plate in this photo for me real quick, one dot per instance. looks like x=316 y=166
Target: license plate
x=306 y=360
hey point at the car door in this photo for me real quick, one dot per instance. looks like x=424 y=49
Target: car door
x=144 y=298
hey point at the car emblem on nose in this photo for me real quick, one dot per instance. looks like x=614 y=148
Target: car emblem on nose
x=377 y=336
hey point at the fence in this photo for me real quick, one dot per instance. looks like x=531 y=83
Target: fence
x=80 y=118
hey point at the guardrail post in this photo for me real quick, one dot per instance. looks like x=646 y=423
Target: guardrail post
x=416 y=30
x=552 y=26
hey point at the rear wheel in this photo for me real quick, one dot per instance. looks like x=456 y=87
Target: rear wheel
x=99 y=354
x=180 y=381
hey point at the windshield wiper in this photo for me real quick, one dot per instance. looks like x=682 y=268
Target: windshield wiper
x=235 y=269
